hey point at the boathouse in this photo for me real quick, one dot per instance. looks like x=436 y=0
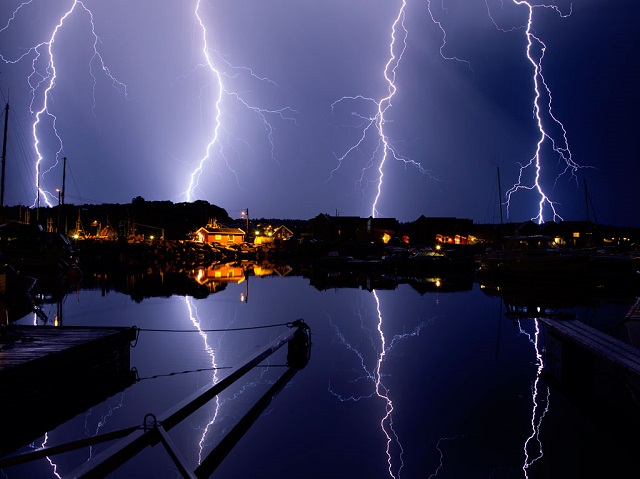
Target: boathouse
x=217 y=234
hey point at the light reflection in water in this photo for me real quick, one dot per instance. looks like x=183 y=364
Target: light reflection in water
x=103 y=420
x=193 y=316
x=53 y=465
x=386 y=423
x=218 y=402
x=454 y=368
x=393 y=447
x=441 y=440
x=540 y=401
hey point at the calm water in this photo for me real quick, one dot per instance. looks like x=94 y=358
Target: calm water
x=401 y=383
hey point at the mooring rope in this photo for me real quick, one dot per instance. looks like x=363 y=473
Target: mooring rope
x=175 y=373
x=134 y=371
x=289 y=324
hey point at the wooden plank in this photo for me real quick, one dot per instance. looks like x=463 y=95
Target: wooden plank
x=602 y=344
x=67 y=368
x=592 y=337
x=35 y=347
x=605 y=339
x=608 y=348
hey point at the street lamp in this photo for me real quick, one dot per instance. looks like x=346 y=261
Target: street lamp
x=245 y=213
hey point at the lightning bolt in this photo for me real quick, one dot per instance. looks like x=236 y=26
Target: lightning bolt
x=218 y=402
x=375 y=122
x=540 y=403
x=443 y=45
x=373 y=377
x=101 y=423
x=550 y=129
x=51 y=463
x=441 y=440
x=42 y=81
x=222 y=93
x=103 y=420
x=193 y=317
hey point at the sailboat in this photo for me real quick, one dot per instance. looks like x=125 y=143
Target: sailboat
x=26 y=248
x=540 y=257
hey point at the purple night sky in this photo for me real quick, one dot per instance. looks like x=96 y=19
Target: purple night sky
x=268 y=98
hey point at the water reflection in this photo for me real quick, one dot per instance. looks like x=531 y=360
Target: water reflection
x=540 y=401
x=200 y=282
x=372 y=377
x=215 y=403
x=557 y=294
x=409 y=378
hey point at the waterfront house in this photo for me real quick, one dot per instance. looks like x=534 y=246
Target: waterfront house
x=214 y=233
x=282 y=233
x=352 y=229
x=428 y=231
x=269 y=235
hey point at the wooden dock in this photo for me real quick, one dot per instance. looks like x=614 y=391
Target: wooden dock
x=28 y=349
x=594 y=370
x=576 y=353
x=602 y=345
x=51 y=374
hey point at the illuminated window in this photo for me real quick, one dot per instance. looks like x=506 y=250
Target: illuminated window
x=576 y=234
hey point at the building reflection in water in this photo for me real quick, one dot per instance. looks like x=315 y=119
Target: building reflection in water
x=363 y=361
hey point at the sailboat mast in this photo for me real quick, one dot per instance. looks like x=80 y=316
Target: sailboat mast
x=64 y=178
x=500 y=203
x=4 y=152
x=64 y=181
x=586 y=198
x=500 y=195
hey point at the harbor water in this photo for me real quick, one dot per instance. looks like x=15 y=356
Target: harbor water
x=409 y=379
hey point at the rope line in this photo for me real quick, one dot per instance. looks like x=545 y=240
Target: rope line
x=211 y=330
x=175 y=373
x=290 y=324
x=199 y=370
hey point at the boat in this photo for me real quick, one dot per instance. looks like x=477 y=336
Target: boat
x=539 y=257
x=30 y=250
x=13 y=284
x=34 y=252
x=16 y=294
x=532 y=255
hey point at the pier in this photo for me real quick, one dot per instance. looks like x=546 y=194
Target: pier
x=51 y=374
x=602 y=345
x=154 y=430
x=594 y=369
